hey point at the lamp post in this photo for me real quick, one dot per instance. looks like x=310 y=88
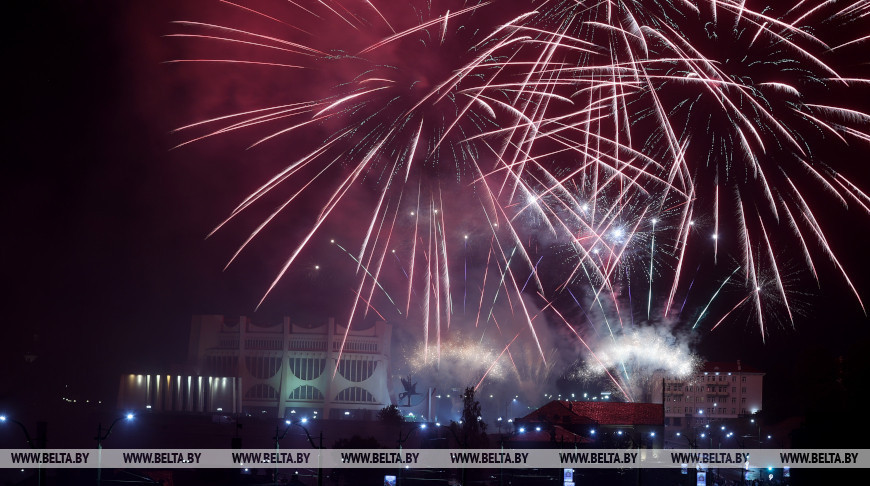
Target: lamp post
x=402 y=441
x=100 y=438
x=27 y=438
x=299 y=423
x=40 y=475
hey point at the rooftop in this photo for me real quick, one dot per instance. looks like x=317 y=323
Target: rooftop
x=727 y=367
x=598 y=413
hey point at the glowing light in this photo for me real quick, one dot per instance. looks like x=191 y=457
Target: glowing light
x=548 y=151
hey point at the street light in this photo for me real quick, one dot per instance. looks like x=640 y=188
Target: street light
x=40 y=475
x=402 y=441
x=4 y=418
x=299 y=423
x=100 y=438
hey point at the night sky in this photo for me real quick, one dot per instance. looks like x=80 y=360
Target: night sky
x=104 y=254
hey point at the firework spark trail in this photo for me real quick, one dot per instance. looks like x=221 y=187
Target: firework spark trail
x=418 y=28
x=618 y=256
x=689 y=290
x=269 y=218
x=382 y=256
x=684 y=242
x=445 y=269
x=749 y=263
x=375 y=213
x=501 y=283
x=533 y=271
x=777 y=277
x=465 y=275
x=368 y=303
x=652 y=247
x=495 y=361
x=436 y=270
x=483 y=285
x=562 y=95
x=732 y=310
x=372 y=276
x=399 y=262
x=704 y=311
x=416 y=215
x=594 y=356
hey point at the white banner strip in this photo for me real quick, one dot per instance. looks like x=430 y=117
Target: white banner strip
x=435 y=459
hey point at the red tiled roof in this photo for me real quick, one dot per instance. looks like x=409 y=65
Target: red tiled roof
x=602 y=413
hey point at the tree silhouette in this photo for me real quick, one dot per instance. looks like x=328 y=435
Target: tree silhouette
x=471 y=431
x=390 y=415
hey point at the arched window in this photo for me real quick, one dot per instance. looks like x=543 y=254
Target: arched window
x=262 y=367
x=307 y=368
x=306 y=392
x=355 y=394
x=357 y=370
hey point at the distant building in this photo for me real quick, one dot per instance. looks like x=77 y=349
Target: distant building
x=287 y=370
x=717 y=393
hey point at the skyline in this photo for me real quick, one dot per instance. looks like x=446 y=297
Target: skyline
x=108 y=224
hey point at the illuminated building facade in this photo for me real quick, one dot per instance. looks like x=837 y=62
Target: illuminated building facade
x=717 y=393
x=180 y=393
x=287 y=370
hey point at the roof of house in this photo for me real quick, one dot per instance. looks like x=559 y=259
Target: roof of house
x=598 y=413
x=727 y=367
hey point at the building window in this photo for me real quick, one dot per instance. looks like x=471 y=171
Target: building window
x=262 y=367
x=355 y=394
x=307 y=368
x=733 y=389
x=743 y=379
x=222 y=365
x=743 y=389
x=261 y=392
x=733 y=399
x=733 y=410
x=743 y=400
x=306 y=392
x=356 y=370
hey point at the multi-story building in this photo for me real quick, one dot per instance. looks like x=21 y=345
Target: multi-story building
x=717 y=392
x=289 y=371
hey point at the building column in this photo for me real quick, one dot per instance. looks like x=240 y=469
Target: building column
x=331 y=362
x=283 y=386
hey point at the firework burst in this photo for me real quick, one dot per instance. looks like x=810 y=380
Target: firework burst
x=491 y=140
